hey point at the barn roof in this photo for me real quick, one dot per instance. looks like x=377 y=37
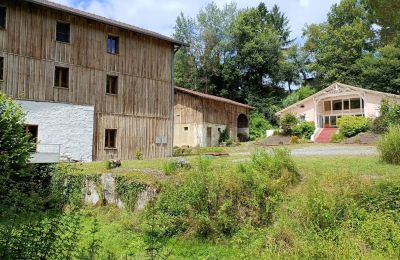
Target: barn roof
x=211 y=97
x=70 y=10
x=336 y=85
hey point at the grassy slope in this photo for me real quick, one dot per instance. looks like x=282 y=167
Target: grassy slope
x=336 y=176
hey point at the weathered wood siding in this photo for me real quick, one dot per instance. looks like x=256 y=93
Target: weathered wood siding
x=143 y=67
x=190 y=109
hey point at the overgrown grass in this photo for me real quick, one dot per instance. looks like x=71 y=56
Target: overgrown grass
x=273 y=206
x=389 y=146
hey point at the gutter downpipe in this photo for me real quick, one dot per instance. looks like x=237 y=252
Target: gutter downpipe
x=175 y=49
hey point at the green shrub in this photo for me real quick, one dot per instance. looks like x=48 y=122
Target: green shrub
x=138 y=154
x=304 y=130
x=276 y=164
x=389 y=116
x=258 y=126
x=350 y=126
x=288 y=122
x=224 y=136
x=337 y=138
x=389 y=146
x=14 y=145
x=182 y=151
x=170 y=167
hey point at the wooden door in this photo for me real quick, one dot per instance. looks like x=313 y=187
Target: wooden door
x=208 y=140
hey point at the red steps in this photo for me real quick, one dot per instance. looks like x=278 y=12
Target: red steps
x=325 y=135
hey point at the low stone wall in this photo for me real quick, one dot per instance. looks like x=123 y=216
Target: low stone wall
x=105 y=192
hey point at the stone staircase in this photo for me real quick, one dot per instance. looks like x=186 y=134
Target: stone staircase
x=325 y=135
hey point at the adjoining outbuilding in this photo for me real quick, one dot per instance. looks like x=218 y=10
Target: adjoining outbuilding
x=200 y=118
x=336 y=101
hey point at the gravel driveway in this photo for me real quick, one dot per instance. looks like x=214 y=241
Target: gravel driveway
x=333 y=149
x=327 y=150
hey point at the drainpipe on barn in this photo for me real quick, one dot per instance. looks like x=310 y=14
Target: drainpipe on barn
x=175 y=49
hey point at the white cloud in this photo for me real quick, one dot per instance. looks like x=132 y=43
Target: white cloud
x=160 y=15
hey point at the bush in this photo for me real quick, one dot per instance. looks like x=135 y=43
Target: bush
x=138 y=154
x=390 y=116
x=337 y=138
x=350 y=126
x=224 y=136
x=389 y=146
x=304 y=130
x=288 y=122
x=182 y=151
x=14 y=145
x=170 y=167
x=258 y=126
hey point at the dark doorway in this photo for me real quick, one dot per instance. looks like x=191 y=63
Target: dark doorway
x=32 y=132
x=243 y=128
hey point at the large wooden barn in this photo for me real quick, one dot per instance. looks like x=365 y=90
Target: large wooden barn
x=92 y=87
x=199 y=118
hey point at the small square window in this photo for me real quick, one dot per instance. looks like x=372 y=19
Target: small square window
x=3 y=17
x=111 y=138
x=61 y=77
x=1 y=68
x=186 y=128
x=112 y=85
x=62 y=32
x=112 y=44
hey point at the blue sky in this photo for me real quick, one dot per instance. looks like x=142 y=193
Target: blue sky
x=160 y=15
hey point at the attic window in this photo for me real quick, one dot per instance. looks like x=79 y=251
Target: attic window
x=112 y=44
x=62 y=32
x=3 y=17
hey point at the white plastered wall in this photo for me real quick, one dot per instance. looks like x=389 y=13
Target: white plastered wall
x=70 y=126
x=196 y=134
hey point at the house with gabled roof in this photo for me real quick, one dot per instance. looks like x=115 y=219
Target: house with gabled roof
x=326 y=106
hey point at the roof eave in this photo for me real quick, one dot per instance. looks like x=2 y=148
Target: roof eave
x=97 y=18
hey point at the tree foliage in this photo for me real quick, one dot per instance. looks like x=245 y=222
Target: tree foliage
x=15 y=147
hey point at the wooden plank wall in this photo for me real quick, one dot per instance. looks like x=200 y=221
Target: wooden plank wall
x=194 y=109
x=143 y=67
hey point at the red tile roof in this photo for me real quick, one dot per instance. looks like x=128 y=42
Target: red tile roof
x=211 y=97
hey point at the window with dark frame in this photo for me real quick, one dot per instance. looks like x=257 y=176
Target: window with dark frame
x=112 y=44
x=186 y=128
x=110 y=138
x=62 y=32
x=61 y=77
x=1 y=68
x=355 y=103
x=337 y=104
x=3 y=17
x=112 y=85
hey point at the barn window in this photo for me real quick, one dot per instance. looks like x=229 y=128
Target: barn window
x=112 y=44
x=61 y=77
x=112 y=85
x=1 y=68
x=186 y=128
x=62 y=32
x=110 y=139
x=3 y=17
